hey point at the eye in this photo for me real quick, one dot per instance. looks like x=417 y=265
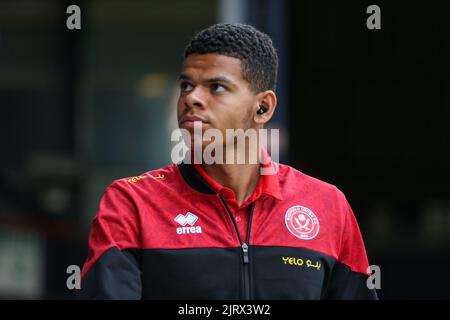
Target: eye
x=218 y=88
x=186 y=87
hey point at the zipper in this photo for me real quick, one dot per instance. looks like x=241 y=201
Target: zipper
x=244 y=246
x=245 y=255
x=245 y=252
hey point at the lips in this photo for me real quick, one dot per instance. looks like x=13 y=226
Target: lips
x=188 y=121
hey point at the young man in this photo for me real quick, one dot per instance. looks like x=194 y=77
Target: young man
x=223 y=230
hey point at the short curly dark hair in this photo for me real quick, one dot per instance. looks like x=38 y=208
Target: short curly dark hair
x=259 y=59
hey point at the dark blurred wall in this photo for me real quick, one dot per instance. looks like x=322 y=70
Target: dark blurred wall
x=371 y=114
x=80 y=108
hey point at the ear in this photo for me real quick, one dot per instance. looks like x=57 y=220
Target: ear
x=268 y=99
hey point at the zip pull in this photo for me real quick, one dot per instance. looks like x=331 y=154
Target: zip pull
x=245 y=252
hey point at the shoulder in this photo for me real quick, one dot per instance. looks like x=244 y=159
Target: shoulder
x=150 y=180
x=291 y=178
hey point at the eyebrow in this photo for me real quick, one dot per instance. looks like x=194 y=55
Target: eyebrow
x=183 y=77
x=221 y=79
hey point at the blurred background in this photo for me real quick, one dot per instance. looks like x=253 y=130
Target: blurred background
x=366 y=110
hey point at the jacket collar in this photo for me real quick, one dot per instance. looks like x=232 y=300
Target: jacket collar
x=194 y=179
x=199 y=180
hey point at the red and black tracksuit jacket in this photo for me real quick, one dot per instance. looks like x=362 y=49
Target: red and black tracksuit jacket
x=174 y=233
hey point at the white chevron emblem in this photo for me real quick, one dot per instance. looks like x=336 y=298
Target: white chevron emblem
x=189 y=218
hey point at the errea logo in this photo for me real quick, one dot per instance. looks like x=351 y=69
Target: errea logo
x=188 y=219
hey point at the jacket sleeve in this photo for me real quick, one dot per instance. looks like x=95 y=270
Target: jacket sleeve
x=112 y=269
x=348 y=279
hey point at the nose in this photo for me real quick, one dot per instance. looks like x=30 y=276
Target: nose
x=195 y=98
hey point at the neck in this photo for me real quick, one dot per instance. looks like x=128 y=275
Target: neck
x=241 y=178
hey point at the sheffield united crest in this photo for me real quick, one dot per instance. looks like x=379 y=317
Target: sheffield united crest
x=302 y=222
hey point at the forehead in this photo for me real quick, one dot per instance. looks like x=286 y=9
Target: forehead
x=212 y=65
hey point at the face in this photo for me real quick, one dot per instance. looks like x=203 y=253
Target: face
x=213 y=90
